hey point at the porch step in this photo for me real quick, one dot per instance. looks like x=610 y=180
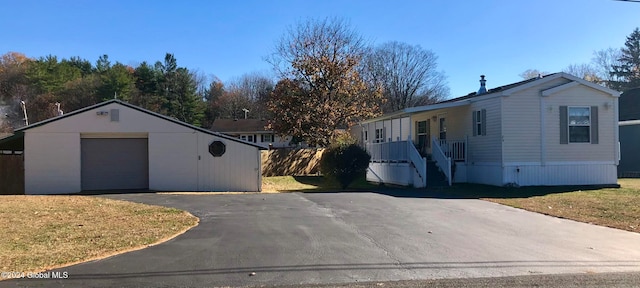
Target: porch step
x=435 y=177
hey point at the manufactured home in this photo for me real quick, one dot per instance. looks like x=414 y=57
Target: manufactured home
x=551 y=130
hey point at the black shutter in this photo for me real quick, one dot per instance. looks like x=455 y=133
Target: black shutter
x=564 y=125
x=474 y=125
x=484 y=122
x=594 y=124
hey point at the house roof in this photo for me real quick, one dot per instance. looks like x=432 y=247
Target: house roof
x=21 y=130
x=504 y=90
x=12 y=142
x=239 y=125
x=630 y=105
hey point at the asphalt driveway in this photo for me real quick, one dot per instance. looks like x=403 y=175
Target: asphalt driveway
x=296 y=238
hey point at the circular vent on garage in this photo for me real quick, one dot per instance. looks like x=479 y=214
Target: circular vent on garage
x=217 y=148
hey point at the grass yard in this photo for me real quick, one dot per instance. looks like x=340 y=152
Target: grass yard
x=611 y=207
x=43 y=232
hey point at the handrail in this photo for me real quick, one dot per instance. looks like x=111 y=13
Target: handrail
x=418 y=162
x=456 y=149
x=388 y=151
x=442 y=160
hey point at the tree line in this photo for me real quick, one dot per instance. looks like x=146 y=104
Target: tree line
x=163 y=87
x=616 y=68
x=326 y=78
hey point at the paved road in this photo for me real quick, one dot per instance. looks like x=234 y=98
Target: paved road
x=294 y=239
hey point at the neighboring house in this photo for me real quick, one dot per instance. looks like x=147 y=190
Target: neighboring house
x=629 y=134
x=251 y=130
x=116 y=146
x=552 y=130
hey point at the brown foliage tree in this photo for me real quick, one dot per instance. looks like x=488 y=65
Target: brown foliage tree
x=320 y=90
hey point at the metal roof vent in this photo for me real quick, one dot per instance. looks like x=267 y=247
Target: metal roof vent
x=483 y=88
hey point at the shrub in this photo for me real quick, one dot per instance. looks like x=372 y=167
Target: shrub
x=344 y=163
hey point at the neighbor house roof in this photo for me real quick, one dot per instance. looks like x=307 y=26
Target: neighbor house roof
x=239 y=125
x=19 y=131
x=504 y=90
x=630 y=105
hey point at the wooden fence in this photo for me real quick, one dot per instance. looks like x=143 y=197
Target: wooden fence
x=291 y=162
x=11 y=174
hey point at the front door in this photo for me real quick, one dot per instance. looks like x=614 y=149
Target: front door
x=443 y=128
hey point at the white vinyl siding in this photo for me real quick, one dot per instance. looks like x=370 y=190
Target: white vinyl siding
x=488 y=148
x=605 y=150
x=521 y=130
x=178 y=155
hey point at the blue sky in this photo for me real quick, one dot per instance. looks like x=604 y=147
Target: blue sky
x=500 y=39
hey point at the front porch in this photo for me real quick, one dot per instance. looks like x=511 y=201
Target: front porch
x=406 y=163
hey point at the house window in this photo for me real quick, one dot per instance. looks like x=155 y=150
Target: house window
x=243 y=137
x=366 y=135
x=480 y=122
x=443 y=128
x=379 y=135
x=579 y=124
x=268 y=138
x=422 y=135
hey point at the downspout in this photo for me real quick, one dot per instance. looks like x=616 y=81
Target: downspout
x=616 y=129
x=502 y=137
x=543 y=148
x=259 y=170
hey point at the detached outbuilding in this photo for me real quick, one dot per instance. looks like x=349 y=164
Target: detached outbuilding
x=118 y=146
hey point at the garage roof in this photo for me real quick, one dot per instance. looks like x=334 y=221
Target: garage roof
x=19 y=132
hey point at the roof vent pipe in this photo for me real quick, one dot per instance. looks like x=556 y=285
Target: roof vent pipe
x=483 y=88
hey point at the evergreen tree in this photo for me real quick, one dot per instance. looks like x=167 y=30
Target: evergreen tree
x=628 y=70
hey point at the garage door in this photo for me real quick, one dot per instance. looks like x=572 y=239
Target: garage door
x=114 y=164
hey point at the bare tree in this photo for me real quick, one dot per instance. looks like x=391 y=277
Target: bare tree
x=320 y=89
x=256 y=87
x=603 y=62
x=584 y=71
x=408 y=75
x=532 y=73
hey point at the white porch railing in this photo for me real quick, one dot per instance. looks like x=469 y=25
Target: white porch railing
x=399 y=152
x=454 y=149
x=388 y=151
x=442 y=160
x=418 y=162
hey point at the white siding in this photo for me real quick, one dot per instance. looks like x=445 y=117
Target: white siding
x=521 y=113
x=131 y=121
x=485 y=173
x=561 y=173
x=237 y=170
x=581 y=95
x=406 y=128
x=173 y=163
x=52 y=163
x=179 y=159
x=393 y=173
x=485 y=148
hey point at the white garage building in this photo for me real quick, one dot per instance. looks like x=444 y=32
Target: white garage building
x=118 y=146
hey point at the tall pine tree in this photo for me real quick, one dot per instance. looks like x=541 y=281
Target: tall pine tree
x=628 y=71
